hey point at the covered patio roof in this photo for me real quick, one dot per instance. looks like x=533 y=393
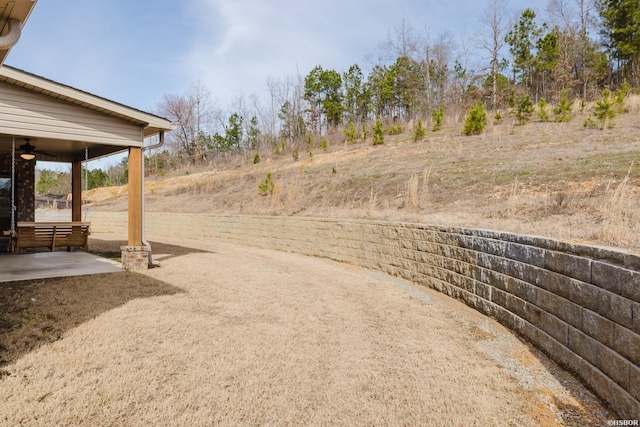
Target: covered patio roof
x=60 y=121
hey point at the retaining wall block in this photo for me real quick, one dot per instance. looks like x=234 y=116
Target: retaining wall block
x=629 y=284
x=546 y=279
x=499 y=297
x=432 y=283
x=581 y=293
x=615 y=366
x=555 y=327
x=486 y=307
x=428 y=258
x=632 y=261
x=426 y=246
x=448 y=238
x=466 y=241
x=597 y=327
x=560 y=307
x=616 y=308
x=525 y=329
x=620 y=400
x=625 y=404
x=496 y=263
x=409 y=244
x=522 y=271
x=492 y=278
x=525 y=254
x=453 y=278
x=558 y=352
x=535 y=315
x=522 y=289
x=445 y=251
x=569 y=265
x=466 y=255
x=593 y=252
x=516 y=305
x=607 y=276
x=504 y=316
x=470 y=299
x=489 y=246
x=481 y=289
x=627 y=343
x=583 y=345
x=459 y=267
x=426 y=268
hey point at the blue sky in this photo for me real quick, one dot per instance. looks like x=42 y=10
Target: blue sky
x=134 y=51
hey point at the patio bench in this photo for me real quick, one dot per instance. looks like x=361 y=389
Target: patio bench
x=50 y=235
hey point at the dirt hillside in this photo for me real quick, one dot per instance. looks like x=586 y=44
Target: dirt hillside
x=560 y=180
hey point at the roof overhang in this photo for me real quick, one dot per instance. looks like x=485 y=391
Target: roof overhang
x=74 y=150
x=151 y=123
x=13 y=9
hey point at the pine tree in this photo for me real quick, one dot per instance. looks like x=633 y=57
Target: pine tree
x=350 y=133
x=605 y=109
x=420 y=131
x=437 y=116
x=543 y=112
x=524 y=110
x=267 y=185
x=522 y=40
x=564 y=109
x=476 y=121
x=378 y=133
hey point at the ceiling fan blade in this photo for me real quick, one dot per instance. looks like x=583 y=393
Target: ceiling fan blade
x=46 y=153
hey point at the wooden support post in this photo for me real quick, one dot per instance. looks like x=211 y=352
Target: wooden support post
x=135 y=196
x=76 y=191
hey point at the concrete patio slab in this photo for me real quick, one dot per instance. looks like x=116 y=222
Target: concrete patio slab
x=53 y=264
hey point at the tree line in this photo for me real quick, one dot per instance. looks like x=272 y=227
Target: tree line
x=575 y=48
x=570 y=50
x=58 y=183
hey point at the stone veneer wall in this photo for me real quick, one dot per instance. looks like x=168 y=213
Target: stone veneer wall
x=579 y=304
x=25 y=188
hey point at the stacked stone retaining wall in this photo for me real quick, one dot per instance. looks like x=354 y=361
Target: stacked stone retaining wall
x=579 y=304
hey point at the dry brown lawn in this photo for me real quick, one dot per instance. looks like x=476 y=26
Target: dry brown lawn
x=236 y=336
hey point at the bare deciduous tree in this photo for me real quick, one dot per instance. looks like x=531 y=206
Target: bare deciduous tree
x=492 y=39
x=403 y=42
x=193 y=114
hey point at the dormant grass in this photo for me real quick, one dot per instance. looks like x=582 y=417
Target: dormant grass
x=620 y=218
x=226 y=335
x=632 y=104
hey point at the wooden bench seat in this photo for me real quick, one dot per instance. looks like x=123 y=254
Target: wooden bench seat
x=50 y=235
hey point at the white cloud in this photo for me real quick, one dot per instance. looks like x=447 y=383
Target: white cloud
x=238 y=44
x=132 y=53
x=250 y=40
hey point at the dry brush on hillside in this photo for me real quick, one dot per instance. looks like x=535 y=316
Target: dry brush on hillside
x=561 y=180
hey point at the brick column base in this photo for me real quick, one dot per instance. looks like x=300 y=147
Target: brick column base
x=135 y=258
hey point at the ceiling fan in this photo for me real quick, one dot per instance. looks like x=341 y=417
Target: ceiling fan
x=28 y=151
